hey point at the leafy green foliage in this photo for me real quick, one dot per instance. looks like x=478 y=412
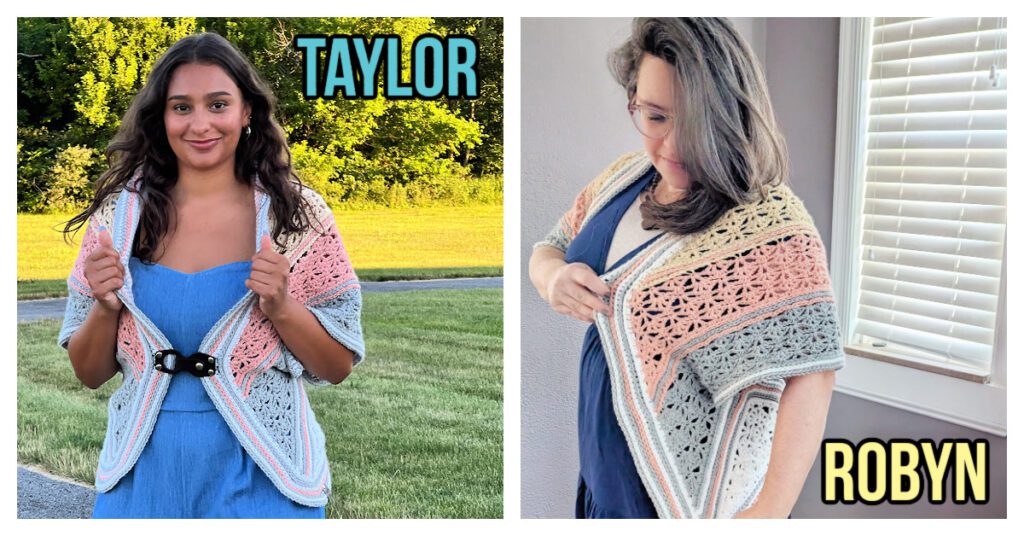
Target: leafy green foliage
x=69 y=179
x=77 y=77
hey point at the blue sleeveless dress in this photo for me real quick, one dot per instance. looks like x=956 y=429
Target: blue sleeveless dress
x=193 y=466
x=609 y=486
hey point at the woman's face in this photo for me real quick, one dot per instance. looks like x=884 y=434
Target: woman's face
x=204 y=116
x=654 y=90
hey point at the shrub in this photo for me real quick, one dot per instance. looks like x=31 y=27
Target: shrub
x=69 y=188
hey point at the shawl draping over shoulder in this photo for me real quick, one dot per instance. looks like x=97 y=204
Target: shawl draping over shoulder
x=258 y=387
x=703 y=332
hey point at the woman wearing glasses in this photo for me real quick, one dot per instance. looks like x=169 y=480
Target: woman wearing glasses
x=706 y=286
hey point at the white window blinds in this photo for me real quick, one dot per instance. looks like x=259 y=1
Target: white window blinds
x=934 y=217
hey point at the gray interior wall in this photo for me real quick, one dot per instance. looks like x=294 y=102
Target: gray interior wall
x=802 y=62
x=574 y=123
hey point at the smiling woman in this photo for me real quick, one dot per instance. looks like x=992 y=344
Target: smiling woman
x=205 y=254
x=205 y=116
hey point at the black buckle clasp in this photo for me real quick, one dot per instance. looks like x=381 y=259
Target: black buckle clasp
x=198 y=364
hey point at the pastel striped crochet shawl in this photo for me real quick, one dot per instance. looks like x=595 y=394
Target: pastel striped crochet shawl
x=257 y=386
x=704 y=330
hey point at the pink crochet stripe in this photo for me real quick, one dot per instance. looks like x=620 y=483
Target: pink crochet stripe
x=255 y=441
x=326 y=222
x=90 y=241
x=305 y=429
x=324 y=265
x=220 y=338
x=256 y=344
x=135 y=431
x=573 y=219
x=692 y=304
x=325 y=261
x=129 y=340
x=730 y=429
x=652 y=462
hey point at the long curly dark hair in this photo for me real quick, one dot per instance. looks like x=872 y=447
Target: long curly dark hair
x=141 y=142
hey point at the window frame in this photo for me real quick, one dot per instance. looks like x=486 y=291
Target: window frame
x=981 y=406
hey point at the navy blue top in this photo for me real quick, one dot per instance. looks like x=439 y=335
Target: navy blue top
x=609 y=486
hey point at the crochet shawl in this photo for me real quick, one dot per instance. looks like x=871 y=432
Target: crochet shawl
x=704 y=330
x=257 y=387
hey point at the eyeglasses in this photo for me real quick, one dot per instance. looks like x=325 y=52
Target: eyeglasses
x=651 y=122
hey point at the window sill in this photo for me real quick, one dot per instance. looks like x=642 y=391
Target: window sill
x=953 y=370
x=974 y=405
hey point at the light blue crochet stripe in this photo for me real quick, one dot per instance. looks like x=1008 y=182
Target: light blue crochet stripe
x=261 y=218
x=72 y=319
x=109 y=461
x=298 y=480
x=298 y=447
x=352 y=341
x=683 y=351
x=119 y=231
x=329 y=294
x=831 y=361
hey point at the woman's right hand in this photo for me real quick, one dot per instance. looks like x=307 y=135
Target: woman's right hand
x=573 y=290
x=105 y=273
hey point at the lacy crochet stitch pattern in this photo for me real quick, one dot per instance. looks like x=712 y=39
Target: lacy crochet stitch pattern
x=705 y=328
x=259 y=384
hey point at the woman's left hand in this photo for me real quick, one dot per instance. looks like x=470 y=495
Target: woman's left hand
x=269 y=278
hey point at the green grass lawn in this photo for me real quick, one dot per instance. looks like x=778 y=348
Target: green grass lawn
x=403 y=242
x=415 y=431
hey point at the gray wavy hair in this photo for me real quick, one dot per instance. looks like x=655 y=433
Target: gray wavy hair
x=726 y=130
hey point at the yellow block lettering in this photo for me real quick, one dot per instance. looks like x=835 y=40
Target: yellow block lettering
x=975 y=472
x=936 y=468
x=867 y=451
x=904 y=473
x=834 y=473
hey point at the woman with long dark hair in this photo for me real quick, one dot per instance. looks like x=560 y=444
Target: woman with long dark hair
x=217 y=285
x=706 y=373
